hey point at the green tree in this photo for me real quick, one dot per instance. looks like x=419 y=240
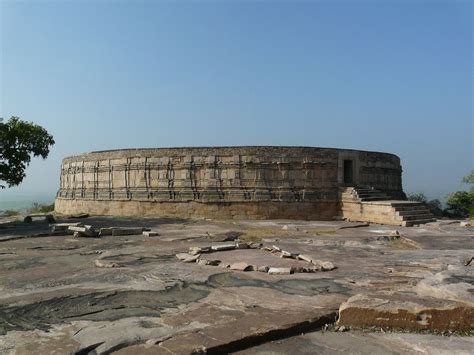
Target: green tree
x=461 y=203
x=469 y=179
x=19 y=142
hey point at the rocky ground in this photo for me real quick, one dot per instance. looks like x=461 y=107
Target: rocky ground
x=405 y=292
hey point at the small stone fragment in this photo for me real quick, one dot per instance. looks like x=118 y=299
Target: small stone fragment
x=275 y=248
x=263 y=268
x=287 y=254
x=394 y=233
x=241 y=266
x=105 y=264
x=199 y=250
x=241 y=246
x=208 y=262
x=150 y=234
x=223 y=247
x=63 y=227
x=305 y=258
x=83 y=231
x=465 y=224
x=327 y=266
x=285 y=227
x=279 y=271
x=187 y=258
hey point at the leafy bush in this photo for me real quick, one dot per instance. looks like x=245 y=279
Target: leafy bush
x=41 y=208
x=460 y=204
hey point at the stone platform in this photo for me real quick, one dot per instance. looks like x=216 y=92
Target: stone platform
x=222 y=182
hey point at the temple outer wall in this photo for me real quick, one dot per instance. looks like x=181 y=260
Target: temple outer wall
x=324 y=210
x=223 y=182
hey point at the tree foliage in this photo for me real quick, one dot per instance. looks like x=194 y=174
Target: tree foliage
x=19 y=142
x=461 y=203
x=417 y=196
x=469 y=178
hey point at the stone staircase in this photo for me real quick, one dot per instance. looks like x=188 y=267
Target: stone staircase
x=364 y=194
x=370 y=205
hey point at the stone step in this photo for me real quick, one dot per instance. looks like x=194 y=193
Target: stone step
x=417 y=221
x=371 y=193
x=410 y=208
x=398 y=205
x=374 y=195
x=374 y=198
x=426 y=215
x=413 y=212
x=406 y=206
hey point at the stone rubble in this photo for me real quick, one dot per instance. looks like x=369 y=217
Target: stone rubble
x=195 y=252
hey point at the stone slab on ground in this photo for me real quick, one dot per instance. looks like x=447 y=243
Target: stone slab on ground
x=406 y=312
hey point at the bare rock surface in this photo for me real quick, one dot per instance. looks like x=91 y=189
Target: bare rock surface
x=131 y=294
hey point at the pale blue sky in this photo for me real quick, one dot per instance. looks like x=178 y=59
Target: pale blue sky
x=385 y=76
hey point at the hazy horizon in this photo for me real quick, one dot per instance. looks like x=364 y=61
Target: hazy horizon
x=394 y=77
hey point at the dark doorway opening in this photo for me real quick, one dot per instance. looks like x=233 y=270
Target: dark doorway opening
x=348 y=172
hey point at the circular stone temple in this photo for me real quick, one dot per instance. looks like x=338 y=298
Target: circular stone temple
x=223 y=182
